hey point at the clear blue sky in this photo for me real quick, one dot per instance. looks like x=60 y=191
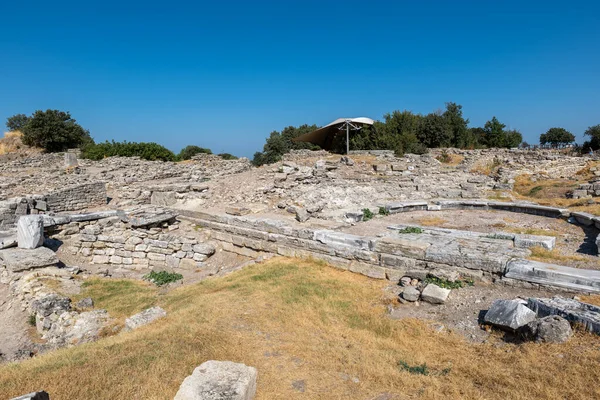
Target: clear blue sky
x=225 y=74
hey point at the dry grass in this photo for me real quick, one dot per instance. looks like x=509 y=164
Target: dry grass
x=539 y=253
x=301 y=320
x=11 y=142
x=586 y=173
x=432 y=221
x=486 y=168
x=532 y=231
x=546 y=189
x=450 y=159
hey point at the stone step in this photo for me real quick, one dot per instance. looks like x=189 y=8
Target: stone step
x=580 y=280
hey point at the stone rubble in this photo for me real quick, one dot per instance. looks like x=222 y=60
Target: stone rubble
x=509 y=315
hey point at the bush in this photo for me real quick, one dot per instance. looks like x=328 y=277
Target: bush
x=411 y=229
x=52 y=130
x=367 y=214
x=384 y=211
x=162 y=278
x=148 y=151
x=227 y=156
x=189 y=151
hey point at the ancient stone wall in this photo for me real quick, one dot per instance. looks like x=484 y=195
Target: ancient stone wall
x=77 y=197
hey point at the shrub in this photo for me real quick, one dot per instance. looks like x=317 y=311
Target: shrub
x=411 y=229
x=384 y=211
x=31 y=320
x=227 y=156
x=52 y=130
x=189 y=151
x=148 y=151
x=162 y=278
x=367 y=214
x=444 y=157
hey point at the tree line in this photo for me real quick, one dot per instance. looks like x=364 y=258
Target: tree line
x=55 y=130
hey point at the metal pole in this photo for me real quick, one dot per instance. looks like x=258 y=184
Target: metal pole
x=347 y=138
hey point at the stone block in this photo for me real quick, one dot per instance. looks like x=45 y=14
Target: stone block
x=17 y=260
x=30 y=231
x=509 y=315
x=144 y=318
x=527 y=241
x=401 y=247
x=219 y=380
x=435 y=294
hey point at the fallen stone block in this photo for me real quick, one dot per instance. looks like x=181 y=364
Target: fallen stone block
x=163 y=198
x=30 y=231
x=527 y=241
x=8 y=239
x=42 y=395
x=17 y=260
x=574 y=311
x=435 y=294
x=509 y=315
x=302 y=215
x=554 y=275
x=219 y=380
x=550 y=329
x=144 y=318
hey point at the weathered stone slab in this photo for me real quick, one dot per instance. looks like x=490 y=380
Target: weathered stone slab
x=469 y=254
x=554 y=275
x=219 y=380
x=163 y=198
x=509 y=315
x=343 y=239
x=30 y=231
x=144 y=318
x=527 y=241
x=572 y=310
x=8 y=239
x=91 y=216
x=147 y=219
x=17 y=260
x=583 y=218
x=401 y=247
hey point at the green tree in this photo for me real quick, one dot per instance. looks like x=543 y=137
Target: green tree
x=280 y=143
x=54 y=130
x=493 y=131
x=16 y=122
x=556 y=137
x=148 y=151
x=434 y=131
x=462 y=137
x=594 y=134
x=189 y=151
x=512 y=138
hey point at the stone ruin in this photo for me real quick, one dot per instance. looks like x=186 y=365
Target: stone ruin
x=127 y=217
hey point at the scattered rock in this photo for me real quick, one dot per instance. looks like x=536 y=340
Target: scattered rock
x=509 y=315
x=85 y=303
x=411 y=293
x=17 y=260
x=435 y=294
x=299 y=386
x=219 y=380
x=550 y=329
x=144 y=318
x=405 y=281
x=302 y=215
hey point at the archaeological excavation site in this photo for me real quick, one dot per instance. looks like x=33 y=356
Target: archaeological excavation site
x=453 y=274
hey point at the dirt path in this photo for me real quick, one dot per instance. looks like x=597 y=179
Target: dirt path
x=13 y=327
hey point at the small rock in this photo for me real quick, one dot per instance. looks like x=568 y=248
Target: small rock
x=411 y=293
x=550 y=329
x=85 y=303
x=435 y=294
x=302 y=215
x=144 y=318
x=405 y=281
x=42 y=395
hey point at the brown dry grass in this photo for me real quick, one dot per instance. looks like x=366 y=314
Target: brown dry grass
x=432 y=221
x=450 y=159
x=11 y=142
x=486 y=168
x=591 y=299
x=539 y=253
x=301 y=320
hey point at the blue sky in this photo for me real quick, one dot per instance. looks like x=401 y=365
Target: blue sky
x=225 y=74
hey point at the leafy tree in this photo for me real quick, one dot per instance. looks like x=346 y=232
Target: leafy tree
x=494 y=133
x=557 y=137
x=16 y=122
x=594 y=133
x=512 y=138
x=280 y=143
x=434 y=131
x=148 y=151
x=189 y=151
x=54 y=130
x=462 y=137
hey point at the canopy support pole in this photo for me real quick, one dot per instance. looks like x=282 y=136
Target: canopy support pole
x=347 y=139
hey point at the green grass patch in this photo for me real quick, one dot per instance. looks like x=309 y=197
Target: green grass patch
x=411 y=229
x=367 y=214
x=384 y=211
x=163 y=277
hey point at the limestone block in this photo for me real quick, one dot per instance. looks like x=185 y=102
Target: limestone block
x=144 y=318
x=30 y=231
x=17 y=260
x=509 y=315
x=435 y=294
x=401 y=247
x=215 y=380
